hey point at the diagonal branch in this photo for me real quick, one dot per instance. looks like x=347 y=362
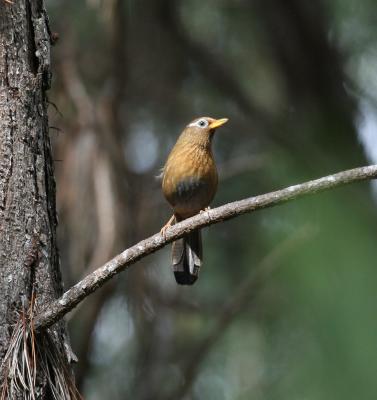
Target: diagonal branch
x=72 y=297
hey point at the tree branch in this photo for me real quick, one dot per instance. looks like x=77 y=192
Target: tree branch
x=57 y=309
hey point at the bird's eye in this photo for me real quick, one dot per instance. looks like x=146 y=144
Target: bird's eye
x=202 y=123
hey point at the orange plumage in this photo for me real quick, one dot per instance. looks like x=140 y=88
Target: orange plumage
x=189 y=185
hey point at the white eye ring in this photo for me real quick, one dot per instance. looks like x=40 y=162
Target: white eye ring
x=201 y=123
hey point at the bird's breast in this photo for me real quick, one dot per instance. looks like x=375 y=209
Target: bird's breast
x=189 y=180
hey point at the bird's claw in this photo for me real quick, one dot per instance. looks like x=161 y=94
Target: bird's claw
x=167 y=226
x=163 y=231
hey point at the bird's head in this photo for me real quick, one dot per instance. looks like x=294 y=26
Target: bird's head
x=201 y=130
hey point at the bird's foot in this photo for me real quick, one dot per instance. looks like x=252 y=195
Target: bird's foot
x=167 y=225
x=206 y=209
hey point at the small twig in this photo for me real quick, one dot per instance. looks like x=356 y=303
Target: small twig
x=72 y=297
x=55 y=107
x=56 y=129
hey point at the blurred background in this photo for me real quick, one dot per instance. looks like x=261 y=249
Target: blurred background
x=285 y=307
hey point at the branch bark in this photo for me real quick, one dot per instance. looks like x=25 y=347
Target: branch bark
x=72 y=297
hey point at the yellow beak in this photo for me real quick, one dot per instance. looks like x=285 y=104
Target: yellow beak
x=217 y=123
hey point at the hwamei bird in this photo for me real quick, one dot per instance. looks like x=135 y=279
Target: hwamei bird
x=189 y=183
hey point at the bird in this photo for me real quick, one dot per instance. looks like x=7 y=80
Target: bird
x=189 y=184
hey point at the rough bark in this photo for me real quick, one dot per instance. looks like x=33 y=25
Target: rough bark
x=29 y=260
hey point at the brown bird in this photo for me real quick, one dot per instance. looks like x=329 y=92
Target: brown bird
x=189 y=183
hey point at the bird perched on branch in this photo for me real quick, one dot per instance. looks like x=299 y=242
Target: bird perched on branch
x=189 y=183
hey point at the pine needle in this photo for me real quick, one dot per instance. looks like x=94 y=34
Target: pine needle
x=30 y=356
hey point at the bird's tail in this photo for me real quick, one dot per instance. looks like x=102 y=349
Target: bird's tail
x=187 y=256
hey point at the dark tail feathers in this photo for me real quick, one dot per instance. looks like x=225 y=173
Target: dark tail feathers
x=187 y=256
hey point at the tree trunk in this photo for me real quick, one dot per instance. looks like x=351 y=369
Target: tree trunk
x=29 y=260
